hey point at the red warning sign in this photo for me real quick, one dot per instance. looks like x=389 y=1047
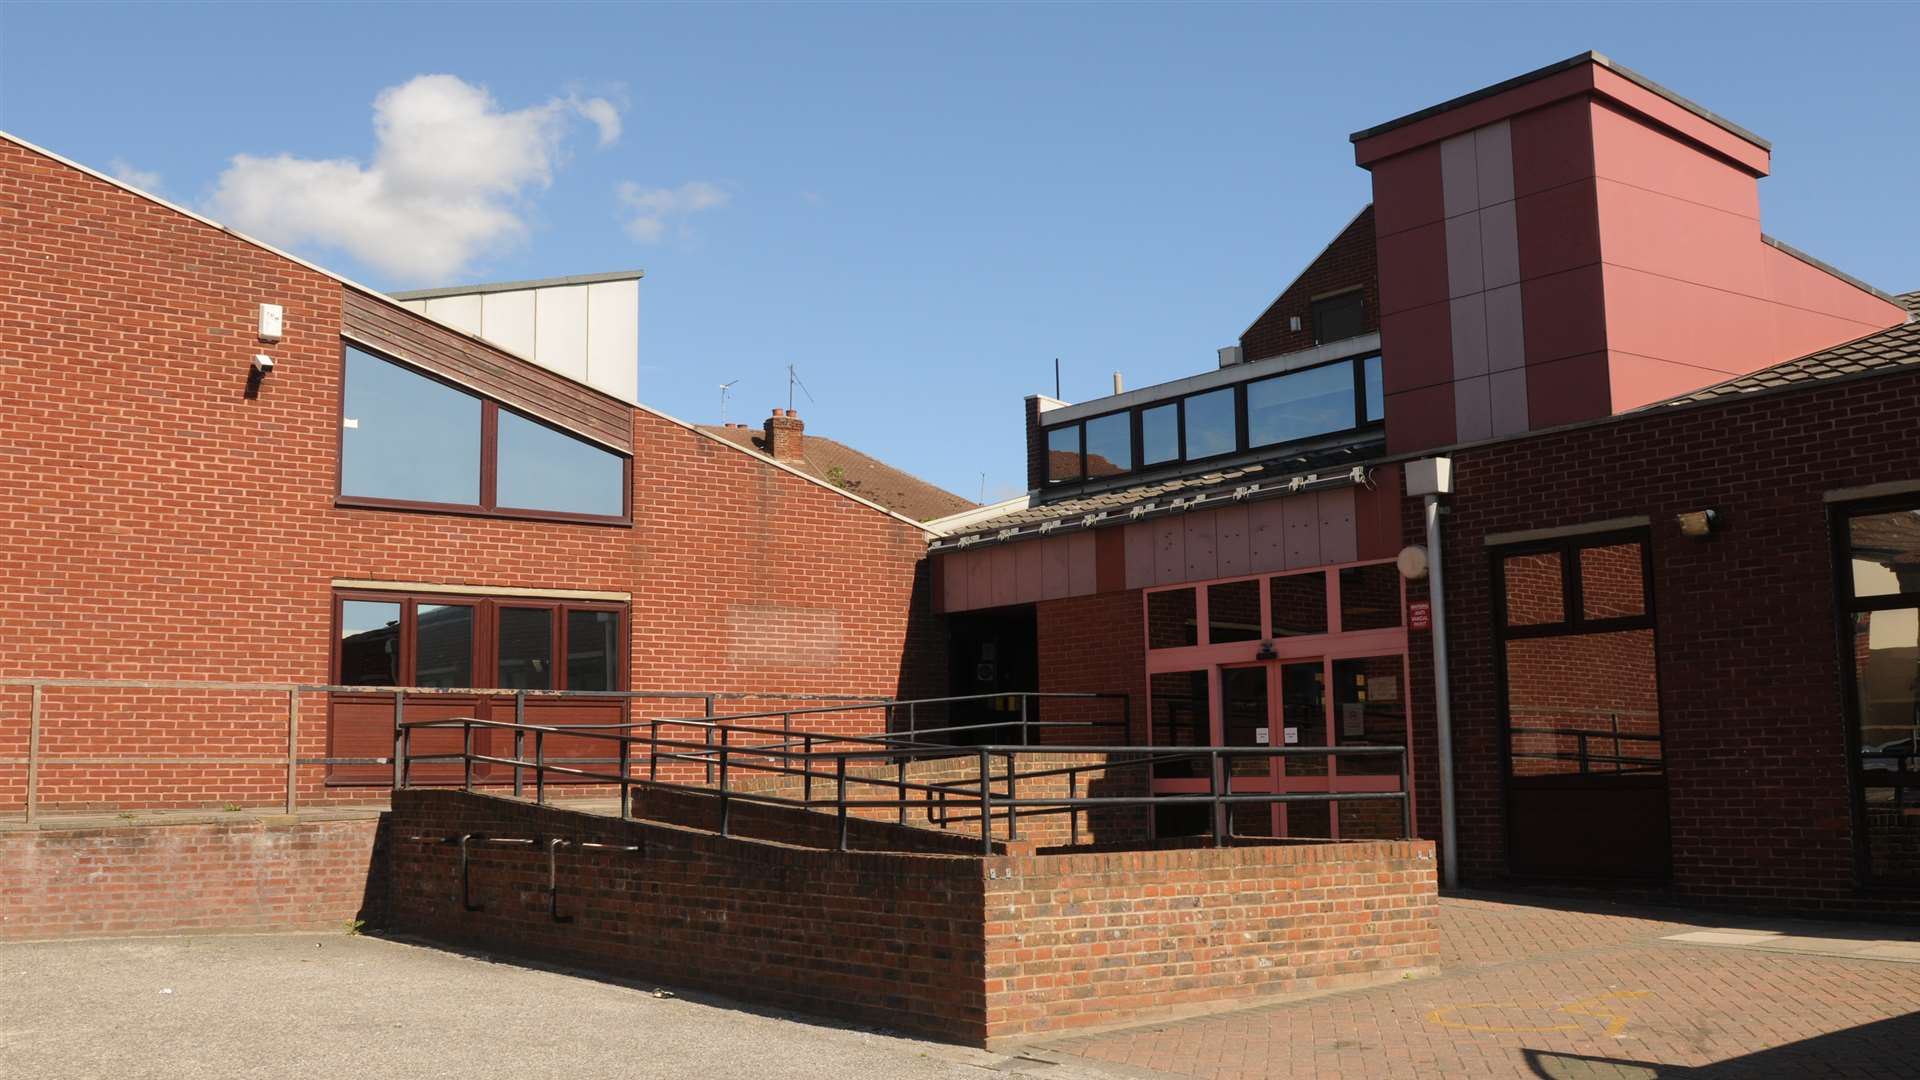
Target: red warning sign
x=1419 y=615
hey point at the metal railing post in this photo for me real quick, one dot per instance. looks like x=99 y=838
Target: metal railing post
x=1013 y=795
x=540 y=767
x=1026 y=731
x=986 y=807
x=1219 y=808
x=466 y=756
x=1073 y=811
x=653 y=748
x=707 y=756
x=519 y=739
x=626 y=773
x=725 y=806
x=900 y=779
x=913 y=726
x=806 y=769
x=293 y=750
x=840 y=776
x=1406 y=799
x=33 y=755
x=400 y=746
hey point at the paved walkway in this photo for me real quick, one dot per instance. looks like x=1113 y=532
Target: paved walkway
x=1535 y=989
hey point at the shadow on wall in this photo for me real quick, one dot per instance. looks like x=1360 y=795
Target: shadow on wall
x=1866 y=1050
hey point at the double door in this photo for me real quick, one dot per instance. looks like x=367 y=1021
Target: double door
x=1306 y=704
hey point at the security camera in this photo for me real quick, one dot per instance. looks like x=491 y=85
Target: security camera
x=262 y=363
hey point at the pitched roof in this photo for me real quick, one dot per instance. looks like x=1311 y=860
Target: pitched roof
x=851 y=471
x=1280 y=475
x=1884 y=350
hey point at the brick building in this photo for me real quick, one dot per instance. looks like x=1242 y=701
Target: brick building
x=1667 y=467
x=394 y=502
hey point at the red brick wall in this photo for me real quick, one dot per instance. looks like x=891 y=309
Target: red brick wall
x=882 y=938
x=955 y=948
x=1098 y=643
x=162 y=524
x=1080 y=941
x=169 y=879
x=1749 y=665
x=1348 y=261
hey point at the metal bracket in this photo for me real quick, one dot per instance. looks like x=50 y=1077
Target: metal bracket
x=466 y=873
x=553 y=881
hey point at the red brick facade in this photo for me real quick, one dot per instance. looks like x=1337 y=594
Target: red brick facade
x=1750 y=673
x=184 y=878
x=1348 y=261
x=163 y=523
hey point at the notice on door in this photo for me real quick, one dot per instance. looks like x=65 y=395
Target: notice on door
x=1261 y=736
x=1293 y=736
x=1353 y=719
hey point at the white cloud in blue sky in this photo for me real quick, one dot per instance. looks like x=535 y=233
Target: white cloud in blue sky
x=651 y=210
x=141 y=178
x=448 y=182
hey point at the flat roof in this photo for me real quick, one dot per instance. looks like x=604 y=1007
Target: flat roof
x=516 y=286
x=1589 y=57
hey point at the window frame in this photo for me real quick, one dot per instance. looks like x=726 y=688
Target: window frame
x=1573 y=616
x=1241 y=432
x=1313 y=313
x=486 y=634
x=1846 y=606
x=488 y=464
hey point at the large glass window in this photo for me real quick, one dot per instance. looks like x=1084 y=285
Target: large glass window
x=1376 y=389
x=1180 y=717
x=525 y=648
x=1109 y=444
x=1300 y=404
x=369 y=643
x=1881 y=594
x=1210 y=424
x=443 y=645
x=1298 y=604
x=409 y=439
x=1160 y=433
x=1172 y=619
x=1370 y=709
x=1233 y=612
x=443 y=642
x=1063 y=453
x=544 y=469
x=1369 y=597
x=593 y=650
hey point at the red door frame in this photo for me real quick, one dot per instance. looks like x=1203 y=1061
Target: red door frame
x=1335 y=645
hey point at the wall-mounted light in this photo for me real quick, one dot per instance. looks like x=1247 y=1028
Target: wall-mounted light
x=1266 y=652
x=262 y=363
x=1412 y=562
x=1698 y=523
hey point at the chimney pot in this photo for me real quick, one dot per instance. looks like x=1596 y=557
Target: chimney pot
x=785 y=436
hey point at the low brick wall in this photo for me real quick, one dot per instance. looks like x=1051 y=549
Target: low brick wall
x=956 y=947
x=1086 y=940
x=886 y=938
x=164 y=879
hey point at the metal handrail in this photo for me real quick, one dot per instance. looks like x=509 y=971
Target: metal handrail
x=781 y=759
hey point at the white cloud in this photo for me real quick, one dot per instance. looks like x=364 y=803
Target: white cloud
x=652 y=208
x=447 y=180
x=140 y=178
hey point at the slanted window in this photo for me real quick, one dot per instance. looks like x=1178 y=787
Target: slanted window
x=1376 y=390
x=409 y=440
x=1336 y=318
x=1172 y=619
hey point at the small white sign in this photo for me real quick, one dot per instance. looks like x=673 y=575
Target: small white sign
x=1293 y=736
x=1261 y=736
x=350 y=423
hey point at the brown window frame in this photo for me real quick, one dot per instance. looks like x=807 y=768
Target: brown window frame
x=486 y=630
x=488 y=464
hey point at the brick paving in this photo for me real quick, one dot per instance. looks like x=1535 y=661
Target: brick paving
x=1537 y=988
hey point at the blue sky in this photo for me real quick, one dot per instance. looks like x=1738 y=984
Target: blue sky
x=920 y=207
